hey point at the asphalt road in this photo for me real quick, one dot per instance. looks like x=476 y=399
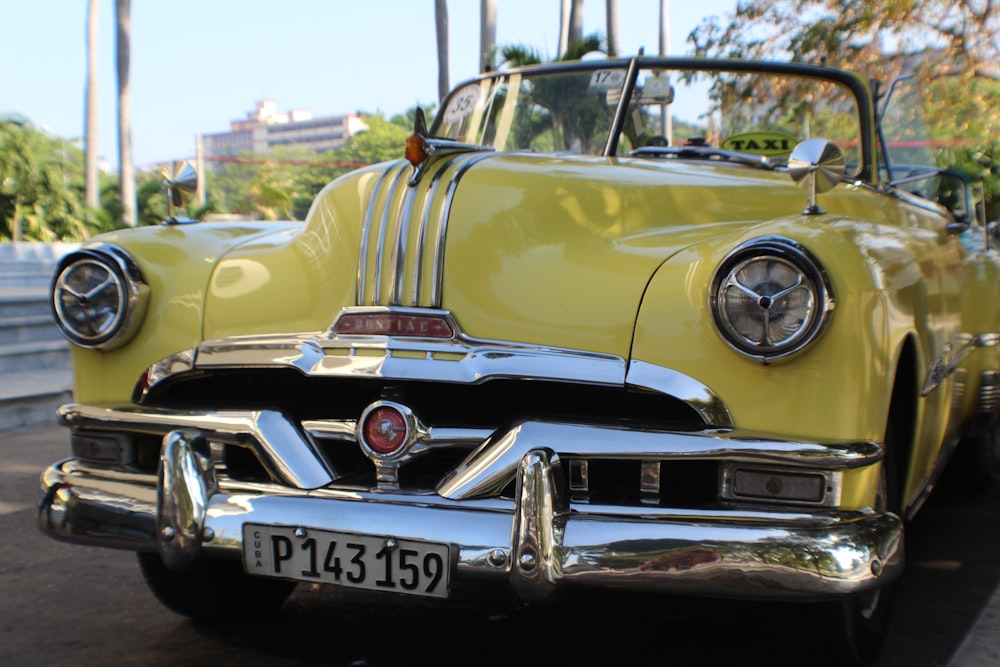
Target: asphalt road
x=63 y=604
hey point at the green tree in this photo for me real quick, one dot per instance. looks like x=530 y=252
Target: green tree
x=383 y=140
x=952 y=48
x=41 y=185
x=566 y=115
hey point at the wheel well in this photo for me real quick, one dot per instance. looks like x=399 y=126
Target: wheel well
x=900 y=426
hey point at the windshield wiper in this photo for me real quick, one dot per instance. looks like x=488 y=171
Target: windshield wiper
x=706 y=153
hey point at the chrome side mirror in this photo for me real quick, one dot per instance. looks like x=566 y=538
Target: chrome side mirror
x=818 y=164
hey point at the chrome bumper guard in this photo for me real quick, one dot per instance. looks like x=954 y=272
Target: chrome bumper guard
x=538 y=542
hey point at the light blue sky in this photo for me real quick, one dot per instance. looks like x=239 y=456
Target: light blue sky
x=199 y=64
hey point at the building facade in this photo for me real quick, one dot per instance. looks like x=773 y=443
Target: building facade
x=266 y=128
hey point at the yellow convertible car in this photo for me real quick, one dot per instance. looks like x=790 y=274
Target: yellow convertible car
x=677 y=326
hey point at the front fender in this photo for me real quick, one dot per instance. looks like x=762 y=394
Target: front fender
x=176 y=262
x=837 y=388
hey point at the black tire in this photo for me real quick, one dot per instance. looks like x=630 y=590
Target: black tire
x=214 y=590
x=857 y=626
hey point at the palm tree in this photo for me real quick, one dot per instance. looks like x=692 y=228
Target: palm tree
x=91 y=187
x=487 y=34
x=575 y=33
x=570 y=113
x=441 y=22
x=614 y=29
x=126 y=180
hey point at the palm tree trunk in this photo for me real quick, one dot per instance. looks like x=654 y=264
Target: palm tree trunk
x=441 y=22
x=614 y=29
x=563 y=27
x=487 y=34
x=91 y=187
x=575 y=21
x=126 y=180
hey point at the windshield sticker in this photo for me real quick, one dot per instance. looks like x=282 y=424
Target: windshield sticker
x=771 y=144
x=606 y=79
x=656 y=89
x=462 y=103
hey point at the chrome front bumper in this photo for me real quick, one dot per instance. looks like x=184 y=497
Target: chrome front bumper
x=537 y=542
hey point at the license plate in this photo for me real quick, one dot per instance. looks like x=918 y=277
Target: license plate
x=372 y=562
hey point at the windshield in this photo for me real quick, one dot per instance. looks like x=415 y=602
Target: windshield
x=575 y=109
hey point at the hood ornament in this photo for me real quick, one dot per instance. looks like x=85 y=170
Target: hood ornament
x=180 y=184
x=421 y=147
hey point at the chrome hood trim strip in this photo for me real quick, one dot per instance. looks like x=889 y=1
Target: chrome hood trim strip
x=392 y=261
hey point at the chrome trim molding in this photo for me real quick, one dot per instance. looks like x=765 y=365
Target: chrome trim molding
x=284 y=449
x=987 y=340
x=491 y=466
x=288 y=451
x=951 y=357
x=437 y=283
x=461 y=359
x=366 y=229
x=672 y=383
x=988 y=402
x=389 y=255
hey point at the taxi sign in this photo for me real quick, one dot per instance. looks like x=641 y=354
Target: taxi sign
x=771 y=144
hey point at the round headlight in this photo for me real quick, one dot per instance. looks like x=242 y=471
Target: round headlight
x=770 y=298
x=98 y=297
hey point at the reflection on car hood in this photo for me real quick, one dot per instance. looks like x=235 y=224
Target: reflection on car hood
x=538 y=249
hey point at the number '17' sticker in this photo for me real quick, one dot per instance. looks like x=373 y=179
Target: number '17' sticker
x=606 y=79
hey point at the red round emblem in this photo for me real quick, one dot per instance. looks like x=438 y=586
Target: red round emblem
x=385 y=430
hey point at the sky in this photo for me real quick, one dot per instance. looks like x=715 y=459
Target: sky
x=197 y=65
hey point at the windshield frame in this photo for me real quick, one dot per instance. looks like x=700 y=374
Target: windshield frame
x=858 y=86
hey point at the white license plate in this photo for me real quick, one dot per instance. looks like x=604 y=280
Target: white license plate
x=372 y=562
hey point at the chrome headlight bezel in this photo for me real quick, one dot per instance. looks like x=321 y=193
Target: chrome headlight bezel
x=104 y=272
x=777 y=319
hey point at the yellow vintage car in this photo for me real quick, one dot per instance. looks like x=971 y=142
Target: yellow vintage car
x=677 y=326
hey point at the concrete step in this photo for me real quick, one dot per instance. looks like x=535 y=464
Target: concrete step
x=26 y=274
x=27 y=328
x=30 y=264
x=29 y=338
x=31 y=399
x=34 y=355
x=35 y=371
x=24 y=300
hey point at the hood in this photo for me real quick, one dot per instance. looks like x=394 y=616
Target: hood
x=543 y=250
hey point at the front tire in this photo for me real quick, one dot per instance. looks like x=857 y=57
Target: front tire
x=213 y=590
x=859 y=624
